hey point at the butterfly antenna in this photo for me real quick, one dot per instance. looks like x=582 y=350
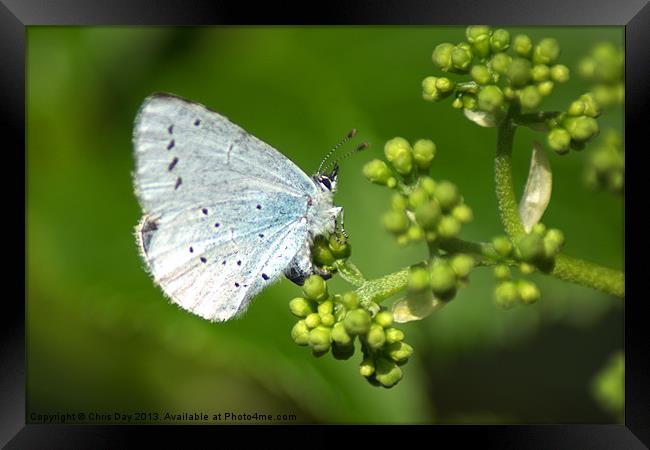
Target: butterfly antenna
x=349 y=136
x=359 y=148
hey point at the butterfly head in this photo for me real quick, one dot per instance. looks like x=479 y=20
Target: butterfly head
x=327 y=181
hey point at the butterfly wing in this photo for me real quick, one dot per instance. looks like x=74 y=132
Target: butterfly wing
x=224 y=212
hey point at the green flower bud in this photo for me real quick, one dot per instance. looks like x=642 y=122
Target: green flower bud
x=396 y=222
x=457 y=103
x=526 y=268
x=357 y=321
x=560 y=73
x=481 y=74
x=463 y=213
x=393 y=335
x=581 y=128
x=376 y=337
x=378 y=172
x=367 y=367
x=384 y=319
x=340 y=336
x=321 y=252
x=506 y=295
x=528 y=292
x=529 y=97
x=403 y=239
x=500 y=40
x=546 y=52
x=428 y=214
x=592 y=108
x=461 y=57
x=476 y=32
x=300 y=307
x=576 y=108
x=350 y=300
x=399 y=351
x=448 y=227
x=424 y=151
x=315 y=288
x=469 y=101
x=500 y=63
x=312 y=320
x=327 y=307
x=540 y=72
x=428 y=185
x=509 y=93
x=447 y=195
x=300 y=333
x=501 y=272
x=396 y=146
x=545 y=88
x=387 y=372
x=398 y=202
x=539 y=229
x=327 y=320
x=418 y=197
x=490 y=98
x=418 y=279
x=502 y=245
x=320 y=339
x=519 y=72
x=559 y=140
x=415 y=233
x=429 y=90
x=553 y=242
x=462 y=265
x=530 y=246
x=340 y=248
x=442 y=56
x=443 y=280
x=445 y=85
x=403 y=162
x=522 y=45
x=342 y=352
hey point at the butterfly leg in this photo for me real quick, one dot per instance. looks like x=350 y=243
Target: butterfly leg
x=340 y=228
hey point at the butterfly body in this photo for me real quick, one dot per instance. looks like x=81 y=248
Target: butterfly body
x=225 y=214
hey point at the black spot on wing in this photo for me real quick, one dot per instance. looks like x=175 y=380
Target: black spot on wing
x=265 y=276
x=146 y=232
x=170 y=130
x=259 y=206
x=179 y=180
x=171 y=144
x=203 y=260
x=197 y=122
x=191 y=250
x=205 y=211
x=172 y=164
x=217 y=225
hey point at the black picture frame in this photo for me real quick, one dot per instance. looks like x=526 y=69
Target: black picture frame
x=634 y=15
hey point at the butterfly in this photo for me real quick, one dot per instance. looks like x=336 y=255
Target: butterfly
x=224 y=214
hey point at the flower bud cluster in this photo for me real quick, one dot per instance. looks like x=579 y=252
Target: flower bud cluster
x=530 y=251
x=573 y=128
x=501 y=70
x=442 y=276
x=423 y=209
x=333 y=323
x=604 y=67
x=605 y=167
x=326 y=252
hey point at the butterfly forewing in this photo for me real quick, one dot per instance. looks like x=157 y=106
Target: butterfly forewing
x=223 y=210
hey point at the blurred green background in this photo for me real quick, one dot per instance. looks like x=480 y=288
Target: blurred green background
x=101 y=337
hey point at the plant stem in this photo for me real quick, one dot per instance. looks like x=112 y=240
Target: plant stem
x=382 y=288
x=589 y=274
x=506 y=200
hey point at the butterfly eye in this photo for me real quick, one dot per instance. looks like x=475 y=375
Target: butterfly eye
x=325 y=181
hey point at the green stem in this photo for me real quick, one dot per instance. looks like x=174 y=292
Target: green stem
x=589 y=274
x=384 y=287
x=534 y=118
x=506 y=199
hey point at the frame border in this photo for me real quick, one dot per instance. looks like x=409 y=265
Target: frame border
x=634 y=15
